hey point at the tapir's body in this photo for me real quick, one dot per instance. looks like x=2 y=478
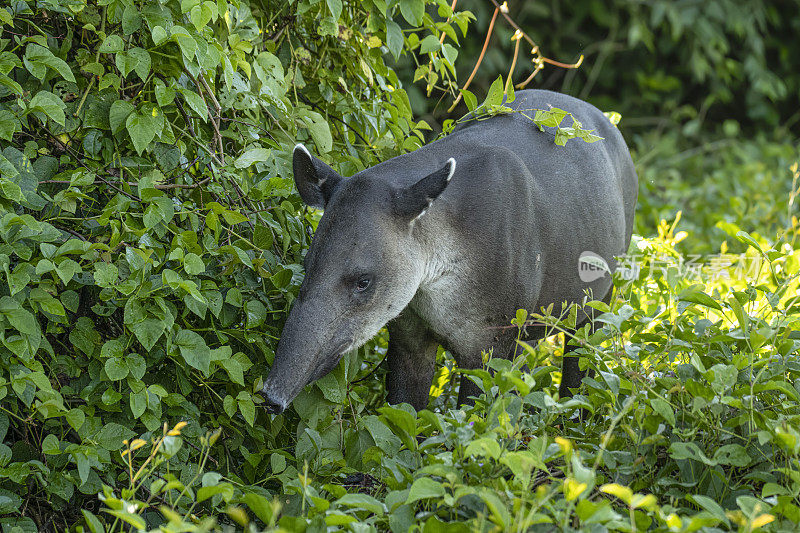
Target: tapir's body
x=500 y=227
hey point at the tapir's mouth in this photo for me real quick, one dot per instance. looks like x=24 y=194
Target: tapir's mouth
x=275 y=404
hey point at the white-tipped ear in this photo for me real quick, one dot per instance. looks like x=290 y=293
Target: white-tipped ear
x=301 y=146
x=452 y=162
x=315 y=180
x=413 y=202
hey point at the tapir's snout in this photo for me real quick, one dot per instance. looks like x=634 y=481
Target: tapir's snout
x=302 y=355
x=271 y=404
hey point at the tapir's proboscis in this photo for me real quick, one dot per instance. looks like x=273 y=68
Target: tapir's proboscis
x=444 y=244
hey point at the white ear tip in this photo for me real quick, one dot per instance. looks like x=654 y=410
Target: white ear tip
x=452 y=162
x=300 y=146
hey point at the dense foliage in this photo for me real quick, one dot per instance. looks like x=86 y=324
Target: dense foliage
x=151 y=244
x=150 y=236
x=700 y=65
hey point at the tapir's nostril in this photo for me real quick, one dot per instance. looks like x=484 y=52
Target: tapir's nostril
x=271 y=405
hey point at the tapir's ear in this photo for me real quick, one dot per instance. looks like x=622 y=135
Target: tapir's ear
x=412 y=202
x=315 y=180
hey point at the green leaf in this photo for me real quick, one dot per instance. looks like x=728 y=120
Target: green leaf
x=131 y=19
x=722 y=377
x=732 y=454
x=318 y=128
x=9 y=123
x=112 y=44
x=10 y=190
x=200 y=15
x=138 y=403
x=495 y=95
x=229 y=405
x=111 y=436
x=362 y=501
x=38 y=59
x=696 y=295
x=116 y=368
x=50 y=445
x=469 y=99
x=94 y=524
x=282 y=278
x=709 y=505
x=748 y=239
x=412 y=11
x=689 y=450
x=5 y=17
x=430 y=44
x=394 y=38
x=75 y=418
x=147 y=332
x=119 y=112
x=142 y=129
x=47 y=302
x=193 y=350
x=135 y=59
x=246 y=407
x=133 y=519
x=256 y=313
x=663 y=408
x=105 y=274
x=234 y=370
x=483 y=447
x=402 y=423
x=335 y=7
x=196 y=102
x=260 y=506
x=49 y=104
x=164 y=95
x=225 y=489
x=193 y=264
x=425 y=488
x=66 y=269
x=159 y=35
x=253 y=155
x=20 y=319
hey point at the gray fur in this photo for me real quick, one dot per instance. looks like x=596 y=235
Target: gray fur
x=453 y=260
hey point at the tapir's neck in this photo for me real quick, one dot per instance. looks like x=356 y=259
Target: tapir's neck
x=438 y=254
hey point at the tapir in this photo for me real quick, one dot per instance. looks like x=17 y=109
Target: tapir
x=442 y=245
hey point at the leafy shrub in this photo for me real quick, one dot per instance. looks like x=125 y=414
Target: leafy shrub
x=662 y=64
x=151 y=239
x=692 y=425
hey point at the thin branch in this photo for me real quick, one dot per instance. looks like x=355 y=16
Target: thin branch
x=480 y=58
x=517 y=38
x=214 y=119
x=215 y=124
x=185 y=118
x=266 y=131
x=71 y=232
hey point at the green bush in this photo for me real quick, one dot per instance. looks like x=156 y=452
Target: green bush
x=151 y=238
x=691 y=424
x=664 y=65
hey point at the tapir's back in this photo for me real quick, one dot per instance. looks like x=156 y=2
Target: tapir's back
x=521 y=209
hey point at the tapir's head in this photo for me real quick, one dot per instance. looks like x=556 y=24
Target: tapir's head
x=364 y=266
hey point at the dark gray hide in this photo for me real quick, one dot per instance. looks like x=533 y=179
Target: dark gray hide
x=450 y=261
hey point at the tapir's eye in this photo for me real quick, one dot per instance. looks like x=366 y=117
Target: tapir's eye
x=363 y=283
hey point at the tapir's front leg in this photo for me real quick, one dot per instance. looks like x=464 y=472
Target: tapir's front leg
x=411 y=359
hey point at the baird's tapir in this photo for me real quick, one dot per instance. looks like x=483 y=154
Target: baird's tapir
x=444 y=244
